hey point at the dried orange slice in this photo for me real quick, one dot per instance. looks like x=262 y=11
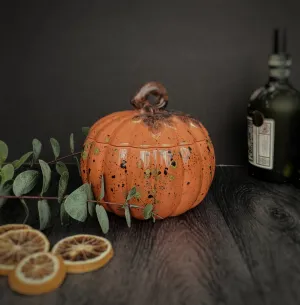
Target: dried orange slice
x=17 y=244
x=13 y=226
x=83 y=252
x=37 y=273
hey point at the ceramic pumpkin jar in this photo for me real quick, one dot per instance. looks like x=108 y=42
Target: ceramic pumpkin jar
x=167 y=155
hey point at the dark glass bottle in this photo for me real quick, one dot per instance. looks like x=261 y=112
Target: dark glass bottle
x=273 y=116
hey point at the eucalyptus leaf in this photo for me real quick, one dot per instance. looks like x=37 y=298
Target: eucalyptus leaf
x=137 y=195
x=102 y=192
x=46 y=176
x=148 y=211
x=37 y=148
x=102 y=218
x=3 y=152
x=18 y=163
x=78 y=165
x=26 y=210
x=25 y=182
x=55 y=147
x=89 y=191
x=64 y=216
x=62 y=185
x=44 y=214
x=92 y=208
x=7 y=173
x=90 y=196
x=75 y=204
x=72 y=143
x=61 y=167
x=5 y=190
x=127 y=215
x=131 y=193
x=85 y=130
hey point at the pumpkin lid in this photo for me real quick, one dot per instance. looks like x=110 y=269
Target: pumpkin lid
x=148 y=125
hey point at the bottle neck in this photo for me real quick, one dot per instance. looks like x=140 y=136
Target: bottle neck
x=279 y=68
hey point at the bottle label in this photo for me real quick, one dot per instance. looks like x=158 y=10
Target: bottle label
x=261 y=143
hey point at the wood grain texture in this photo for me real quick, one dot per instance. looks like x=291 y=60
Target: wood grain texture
x=264 y=219
x=247 y=255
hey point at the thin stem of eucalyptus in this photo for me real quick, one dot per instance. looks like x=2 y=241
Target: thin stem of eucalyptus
x=29 y=197
x=67 y=156
x=115 y=203
x=112 y=203
x=56 y=198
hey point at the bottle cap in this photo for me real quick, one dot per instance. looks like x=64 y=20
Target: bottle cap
x=279 y=41
x=279 y=58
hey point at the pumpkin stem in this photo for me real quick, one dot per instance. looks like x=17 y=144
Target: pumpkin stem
x=140 y=100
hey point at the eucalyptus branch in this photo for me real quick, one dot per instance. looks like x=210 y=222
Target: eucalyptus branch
x=29 y=197
x=116 y=203
x=56 y=198
x=78 y=204
x=67 y=156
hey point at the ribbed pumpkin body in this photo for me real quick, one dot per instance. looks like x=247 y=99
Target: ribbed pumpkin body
x=170 y=160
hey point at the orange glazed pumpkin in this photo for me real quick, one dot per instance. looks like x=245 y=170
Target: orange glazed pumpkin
x=167 y=155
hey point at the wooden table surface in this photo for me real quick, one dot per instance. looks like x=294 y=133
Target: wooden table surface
x=240 y=246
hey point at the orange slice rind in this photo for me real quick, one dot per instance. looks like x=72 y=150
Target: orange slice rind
x=17 y=244
x=13 y=226
x=84 y=252
x=37 y=274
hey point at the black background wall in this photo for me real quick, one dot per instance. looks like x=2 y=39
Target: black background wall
x=64 y=64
